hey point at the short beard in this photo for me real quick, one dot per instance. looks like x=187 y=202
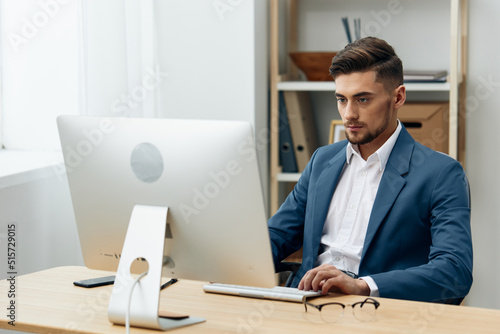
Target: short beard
x=369 y=138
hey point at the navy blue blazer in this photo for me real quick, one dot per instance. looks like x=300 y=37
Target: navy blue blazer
x=418 y=243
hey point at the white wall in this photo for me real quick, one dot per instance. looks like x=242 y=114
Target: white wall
x=483 y=117
x=45 y=226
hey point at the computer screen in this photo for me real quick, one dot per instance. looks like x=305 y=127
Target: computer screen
x=204 y=171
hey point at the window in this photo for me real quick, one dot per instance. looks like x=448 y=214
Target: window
x=38 y=71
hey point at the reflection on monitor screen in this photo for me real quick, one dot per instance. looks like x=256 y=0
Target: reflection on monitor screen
x=205 y=172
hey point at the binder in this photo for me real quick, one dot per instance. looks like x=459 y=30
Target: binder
x=424 y=76
x=302 y=127
x=286 y=153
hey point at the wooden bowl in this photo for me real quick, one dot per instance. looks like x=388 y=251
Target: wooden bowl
x=315 y=65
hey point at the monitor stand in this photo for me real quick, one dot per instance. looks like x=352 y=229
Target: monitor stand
x=145 y=239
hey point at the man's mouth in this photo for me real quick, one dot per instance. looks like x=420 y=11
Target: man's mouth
x=353 y=127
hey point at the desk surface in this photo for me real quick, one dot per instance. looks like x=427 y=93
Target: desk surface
x=47 y=302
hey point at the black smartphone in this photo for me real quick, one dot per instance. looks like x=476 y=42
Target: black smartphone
x=95 y=282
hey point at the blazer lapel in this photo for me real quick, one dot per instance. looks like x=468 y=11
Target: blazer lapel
x=325 y=187
x=391 y=184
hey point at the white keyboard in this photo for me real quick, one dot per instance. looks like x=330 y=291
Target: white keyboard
x=275 y=293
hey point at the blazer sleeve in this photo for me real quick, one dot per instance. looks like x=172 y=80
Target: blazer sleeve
x=286 y=227
x=447 y=276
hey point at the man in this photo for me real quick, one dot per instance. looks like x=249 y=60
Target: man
x=379 y=206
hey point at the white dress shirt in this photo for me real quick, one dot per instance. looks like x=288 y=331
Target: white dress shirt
x=350 y=208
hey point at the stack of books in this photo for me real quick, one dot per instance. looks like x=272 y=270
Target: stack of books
x=425 y=76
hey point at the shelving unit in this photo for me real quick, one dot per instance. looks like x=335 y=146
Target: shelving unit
x=330 y=86
x=454 y=87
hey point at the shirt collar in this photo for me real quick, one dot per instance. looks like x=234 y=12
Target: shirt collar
x=382 y=154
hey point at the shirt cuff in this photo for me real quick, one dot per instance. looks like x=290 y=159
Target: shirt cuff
x=372 y=285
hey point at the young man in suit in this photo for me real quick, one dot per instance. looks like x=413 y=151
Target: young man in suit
x=378 y=214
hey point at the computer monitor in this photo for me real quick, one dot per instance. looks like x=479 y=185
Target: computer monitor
x=204 y=171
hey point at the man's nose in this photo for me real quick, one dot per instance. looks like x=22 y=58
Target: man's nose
x=351 y=111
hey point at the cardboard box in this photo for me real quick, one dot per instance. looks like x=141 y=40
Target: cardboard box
x=428 y=123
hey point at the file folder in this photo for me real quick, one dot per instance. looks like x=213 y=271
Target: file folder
x=286 y=153
x=302 y=127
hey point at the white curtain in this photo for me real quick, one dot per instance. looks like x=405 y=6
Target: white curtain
x=119 y=69
x=38 y=71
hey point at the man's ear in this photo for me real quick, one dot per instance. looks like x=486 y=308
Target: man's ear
x=399 y=97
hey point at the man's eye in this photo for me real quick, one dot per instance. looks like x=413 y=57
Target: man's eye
x=340 y=100
x=363 y=100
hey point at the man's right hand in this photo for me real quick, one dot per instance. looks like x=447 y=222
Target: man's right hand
x=328 y=278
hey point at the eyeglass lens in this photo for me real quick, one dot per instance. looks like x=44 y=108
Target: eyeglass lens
x=362 y=311
x=332 y=313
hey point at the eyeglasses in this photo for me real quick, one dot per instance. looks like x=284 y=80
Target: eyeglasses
x=333 y=312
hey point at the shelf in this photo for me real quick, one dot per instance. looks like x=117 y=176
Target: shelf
x=286 y=77
x=307 y=85
x=330 y=86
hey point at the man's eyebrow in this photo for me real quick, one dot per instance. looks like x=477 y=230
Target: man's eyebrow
x=357 y=94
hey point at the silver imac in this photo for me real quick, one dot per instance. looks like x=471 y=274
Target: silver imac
x=205 y=172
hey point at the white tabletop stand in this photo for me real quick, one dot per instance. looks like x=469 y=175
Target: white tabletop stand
x=145 y=240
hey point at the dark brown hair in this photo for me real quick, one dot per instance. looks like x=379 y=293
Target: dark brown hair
x=370 y=54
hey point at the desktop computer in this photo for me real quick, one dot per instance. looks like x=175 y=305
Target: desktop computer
x=204 y=171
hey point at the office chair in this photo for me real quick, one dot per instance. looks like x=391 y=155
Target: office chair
x=287 y=270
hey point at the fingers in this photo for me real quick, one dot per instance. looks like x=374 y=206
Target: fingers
x=328 y=278
x=321 y=278
x=335 y=284
x=307 y=280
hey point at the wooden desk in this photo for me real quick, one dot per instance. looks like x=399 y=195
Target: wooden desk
x=47 y=302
